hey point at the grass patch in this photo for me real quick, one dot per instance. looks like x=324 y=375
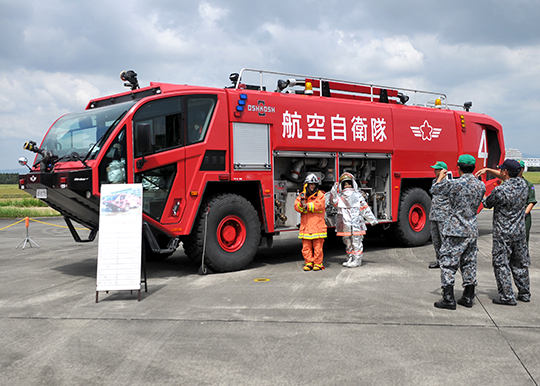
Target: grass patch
x=17 y=203
x=26 y=202
x=13 y=212
x=533 y=177
x=12 y=191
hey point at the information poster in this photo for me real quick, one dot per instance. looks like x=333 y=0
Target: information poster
x=120 y=233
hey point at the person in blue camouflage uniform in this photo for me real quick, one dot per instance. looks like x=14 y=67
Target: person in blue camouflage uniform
x=510 y=252
x=440 y=208
x=531 y=202
x=459 y=249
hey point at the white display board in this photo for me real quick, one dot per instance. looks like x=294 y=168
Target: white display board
x=120 y=236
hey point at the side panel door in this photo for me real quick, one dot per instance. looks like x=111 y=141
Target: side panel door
x=161 y=170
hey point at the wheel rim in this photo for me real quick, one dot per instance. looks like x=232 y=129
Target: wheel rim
x=417 y=217
x=231 y=233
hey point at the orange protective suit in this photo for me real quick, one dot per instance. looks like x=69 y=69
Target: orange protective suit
x=312 y=227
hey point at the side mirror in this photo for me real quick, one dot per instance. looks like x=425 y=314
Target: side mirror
x=23 y=161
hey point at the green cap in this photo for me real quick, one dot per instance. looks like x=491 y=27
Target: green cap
x=466 y=159
x=521 y=163
x=440 y=165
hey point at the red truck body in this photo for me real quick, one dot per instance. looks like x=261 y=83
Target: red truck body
x=221 y=167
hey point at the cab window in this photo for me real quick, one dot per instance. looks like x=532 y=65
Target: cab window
x=164 y=117
x=112 y=169
x=199 y=114
x=157 y=184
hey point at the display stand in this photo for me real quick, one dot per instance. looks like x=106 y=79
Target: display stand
x=27 y=239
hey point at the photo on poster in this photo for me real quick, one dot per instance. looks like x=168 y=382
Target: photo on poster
x=121 y=200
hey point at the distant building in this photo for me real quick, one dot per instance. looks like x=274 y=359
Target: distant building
x=514 y=154
x=531 y=162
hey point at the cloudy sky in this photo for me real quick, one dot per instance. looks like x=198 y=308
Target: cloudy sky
x=55 y=55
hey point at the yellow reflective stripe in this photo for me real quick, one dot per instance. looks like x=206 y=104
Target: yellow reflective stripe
x=310 y=236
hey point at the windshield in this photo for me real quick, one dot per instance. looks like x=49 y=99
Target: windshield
x=83 y=131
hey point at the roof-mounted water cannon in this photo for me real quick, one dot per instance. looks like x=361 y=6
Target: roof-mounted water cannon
x=283 y=84
x=467 y=106
x=234 y=78
x=403 y=98
x=131 y=78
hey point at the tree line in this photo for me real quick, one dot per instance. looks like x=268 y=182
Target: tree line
x=9 y=178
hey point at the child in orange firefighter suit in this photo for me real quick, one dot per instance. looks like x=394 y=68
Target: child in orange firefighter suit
x=352 y=211
x=311 y=204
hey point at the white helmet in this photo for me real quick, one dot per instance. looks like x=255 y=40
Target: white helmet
x=312 y=179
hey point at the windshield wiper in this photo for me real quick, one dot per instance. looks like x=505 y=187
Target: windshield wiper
x=103 y=137
x=76 y=157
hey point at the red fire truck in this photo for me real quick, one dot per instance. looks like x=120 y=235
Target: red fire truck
x=221 y=167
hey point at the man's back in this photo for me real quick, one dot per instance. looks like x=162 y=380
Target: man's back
x=465 y=196
x=509 y=201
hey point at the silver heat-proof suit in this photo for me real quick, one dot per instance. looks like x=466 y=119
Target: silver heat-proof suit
x=352 y=212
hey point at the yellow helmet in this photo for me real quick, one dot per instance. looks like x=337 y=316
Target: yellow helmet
x=346 y=176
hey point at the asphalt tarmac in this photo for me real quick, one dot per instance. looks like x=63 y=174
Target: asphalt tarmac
x=269 y=324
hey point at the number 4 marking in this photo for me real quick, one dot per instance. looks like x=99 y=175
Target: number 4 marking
x=482 y=149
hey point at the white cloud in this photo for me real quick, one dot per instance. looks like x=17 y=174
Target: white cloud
x=376 y=58
x=210 y=13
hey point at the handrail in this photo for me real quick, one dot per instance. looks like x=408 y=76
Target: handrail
x=442 y=96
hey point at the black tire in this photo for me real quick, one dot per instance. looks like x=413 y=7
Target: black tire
x=412 y=227
x=233 y=233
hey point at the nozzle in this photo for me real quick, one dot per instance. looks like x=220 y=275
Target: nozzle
x=32 y=146
x=130 y=77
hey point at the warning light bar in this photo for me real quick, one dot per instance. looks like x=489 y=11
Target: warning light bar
x=240 y=106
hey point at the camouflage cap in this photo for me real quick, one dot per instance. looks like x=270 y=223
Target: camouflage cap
x=466 y=159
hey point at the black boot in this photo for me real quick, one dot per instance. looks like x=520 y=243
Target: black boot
x=434 y=264
x=467 y=297
x=448 y=300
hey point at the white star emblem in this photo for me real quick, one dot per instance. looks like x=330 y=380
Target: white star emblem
x=426 y=131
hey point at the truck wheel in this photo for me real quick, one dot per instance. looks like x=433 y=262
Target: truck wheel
x=412 y=227
x=233 y=233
